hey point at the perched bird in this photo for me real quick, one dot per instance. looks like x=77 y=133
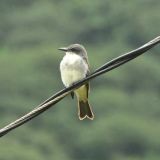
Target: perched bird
x=74 y=67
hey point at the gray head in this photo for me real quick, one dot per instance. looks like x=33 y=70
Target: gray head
x=75 y=49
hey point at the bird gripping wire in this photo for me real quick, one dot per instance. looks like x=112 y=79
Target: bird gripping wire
x=64 y=92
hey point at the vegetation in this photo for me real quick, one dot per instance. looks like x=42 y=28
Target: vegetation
x=125 y=101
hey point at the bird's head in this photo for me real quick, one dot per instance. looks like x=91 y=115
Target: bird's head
x=74 y=49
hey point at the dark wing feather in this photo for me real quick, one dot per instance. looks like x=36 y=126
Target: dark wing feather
x=72 y=95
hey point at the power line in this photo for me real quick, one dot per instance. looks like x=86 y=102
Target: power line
x=64 y=92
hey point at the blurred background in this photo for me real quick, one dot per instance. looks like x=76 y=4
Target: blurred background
x=126 y=101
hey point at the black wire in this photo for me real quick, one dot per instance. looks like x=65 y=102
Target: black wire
x=129 y=55
x=61 y=94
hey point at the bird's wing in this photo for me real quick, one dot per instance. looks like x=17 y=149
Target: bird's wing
x=88 y=73
x=72 y=95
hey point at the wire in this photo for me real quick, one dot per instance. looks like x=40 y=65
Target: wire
x=64 y=92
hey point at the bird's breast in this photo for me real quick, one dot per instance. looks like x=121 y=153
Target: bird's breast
x=73 y=68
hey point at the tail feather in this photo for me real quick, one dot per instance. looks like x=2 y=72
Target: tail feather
x=85 y=110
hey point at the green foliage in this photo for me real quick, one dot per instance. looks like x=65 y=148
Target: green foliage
x=125 y=101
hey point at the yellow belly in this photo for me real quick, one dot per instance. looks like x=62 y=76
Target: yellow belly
x=81 y=93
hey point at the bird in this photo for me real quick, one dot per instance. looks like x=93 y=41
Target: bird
x=73 y=67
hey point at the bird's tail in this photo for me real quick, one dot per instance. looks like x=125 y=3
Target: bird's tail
x=85 y=110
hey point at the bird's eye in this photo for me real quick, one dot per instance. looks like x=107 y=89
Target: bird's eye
x=74 y=50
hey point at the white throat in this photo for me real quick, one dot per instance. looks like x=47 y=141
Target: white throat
x=73 y=68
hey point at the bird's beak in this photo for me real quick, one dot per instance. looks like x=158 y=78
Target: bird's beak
x=63 y=49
